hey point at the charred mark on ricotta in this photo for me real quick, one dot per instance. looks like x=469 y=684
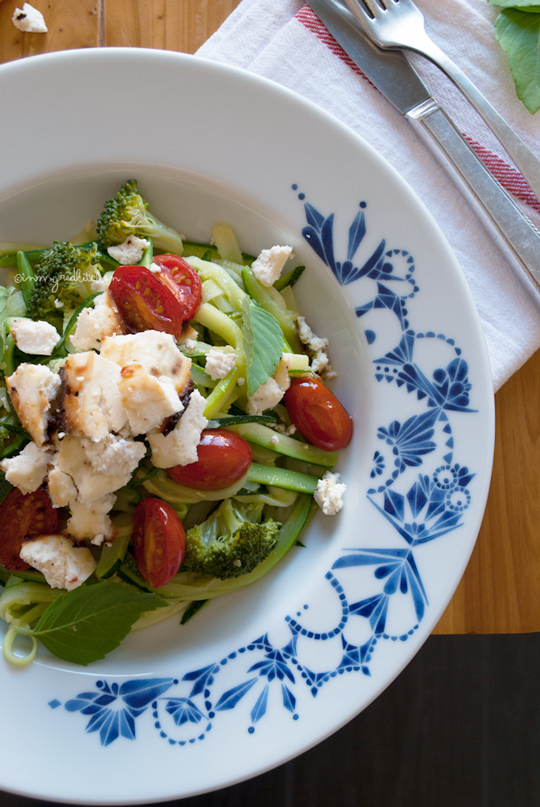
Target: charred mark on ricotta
x=56 y=421
x=170 y=423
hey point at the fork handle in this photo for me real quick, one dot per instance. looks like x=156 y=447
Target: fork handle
x=523 y=157
x=498 y=212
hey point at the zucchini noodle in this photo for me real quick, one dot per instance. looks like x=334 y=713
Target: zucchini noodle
x=241 y=354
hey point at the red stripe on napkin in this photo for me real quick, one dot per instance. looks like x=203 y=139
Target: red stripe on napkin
x=509 y=177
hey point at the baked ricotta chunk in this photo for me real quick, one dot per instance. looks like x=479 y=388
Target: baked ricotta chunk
x=62 y=489
x=329 y=493
x=38 y=338
x=179 y=447
x=130 y=251
x=155 y=351
x=267 y=267
x=27 y=469
x=92 y=402
x=63 y=564
x=94 y=324
x=147 y=400
x=32 y=388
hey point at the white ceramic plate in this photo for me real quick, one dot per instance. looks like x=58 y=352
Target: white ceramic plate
x=259 y=676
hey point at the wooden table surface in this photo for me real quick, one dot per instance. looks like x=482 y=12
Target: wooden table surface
x=500 y=591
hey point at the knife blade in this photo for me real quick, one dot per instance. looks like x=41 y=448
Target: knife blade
x=397 y=80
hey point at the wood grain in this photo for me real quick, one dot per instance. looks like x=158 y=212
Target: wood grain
x=499 y=592
x=500 y=589
x=167 y=24
x=71 y=24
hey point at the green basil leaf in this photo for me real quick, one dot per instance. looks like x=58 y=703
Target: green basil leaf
x=85 y=624
x=263 y=344
x=518 y=33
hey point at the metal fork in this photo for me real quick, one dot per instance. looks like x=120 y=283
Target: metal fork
x=397 y=24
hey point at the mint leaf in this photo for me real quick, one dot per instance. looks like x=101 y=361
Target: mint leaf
x=83 y=625
x=263 y=344
x=518 y=33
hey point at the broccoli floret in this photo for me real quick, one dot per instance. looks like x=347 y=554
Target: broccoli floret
x=231 y=542
x=128 y=214
x=63 y=274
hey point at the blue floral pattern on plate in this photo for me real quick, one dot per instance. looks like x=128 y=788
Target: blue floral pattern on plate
x=420 y=502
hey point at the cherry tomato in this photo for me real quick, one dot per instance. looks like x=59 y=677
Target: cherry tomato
x=23 y=516
x=317 y=414
x=144 y=302
x=183 y=281
x=223 y=458
x=159 y=541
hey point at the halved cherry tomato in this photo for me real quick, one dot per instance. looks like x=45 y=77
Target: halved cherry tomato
x=23 y=516
x=144 y=302
x=182 y=280
x=317 y=414
x=159 y=541
x=223 y=458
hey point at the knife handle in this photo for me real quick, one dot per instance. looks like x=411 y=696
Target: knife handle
x=498 y=212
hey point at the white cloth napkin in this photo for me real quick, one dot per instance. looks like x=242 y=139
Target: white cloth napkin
x=284 y=41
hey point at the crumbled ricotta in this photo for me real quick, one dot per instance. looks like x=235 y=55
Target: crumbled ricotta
x=89 y=521
x=317 y=346
x=114 y=455
x=283 y=428
x=219 y=364
x=38 y=338
x=266 y=396
x=267 y=267
x=329 y=493
x=179 y=447
x=63 y=565
x=29 y=19
x=27 y=469
x=32 y=388
x=130 y=251
x=94 y=324
x=91 y=484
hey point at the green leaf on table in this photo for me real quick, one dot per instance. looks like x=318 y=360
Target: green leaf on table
x=523 y=5
x=518 y=33
x=263 y=344
x=85 y=624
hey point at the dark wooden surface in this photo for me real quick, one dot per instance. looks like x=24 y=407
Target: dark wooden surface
x=460 y=727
